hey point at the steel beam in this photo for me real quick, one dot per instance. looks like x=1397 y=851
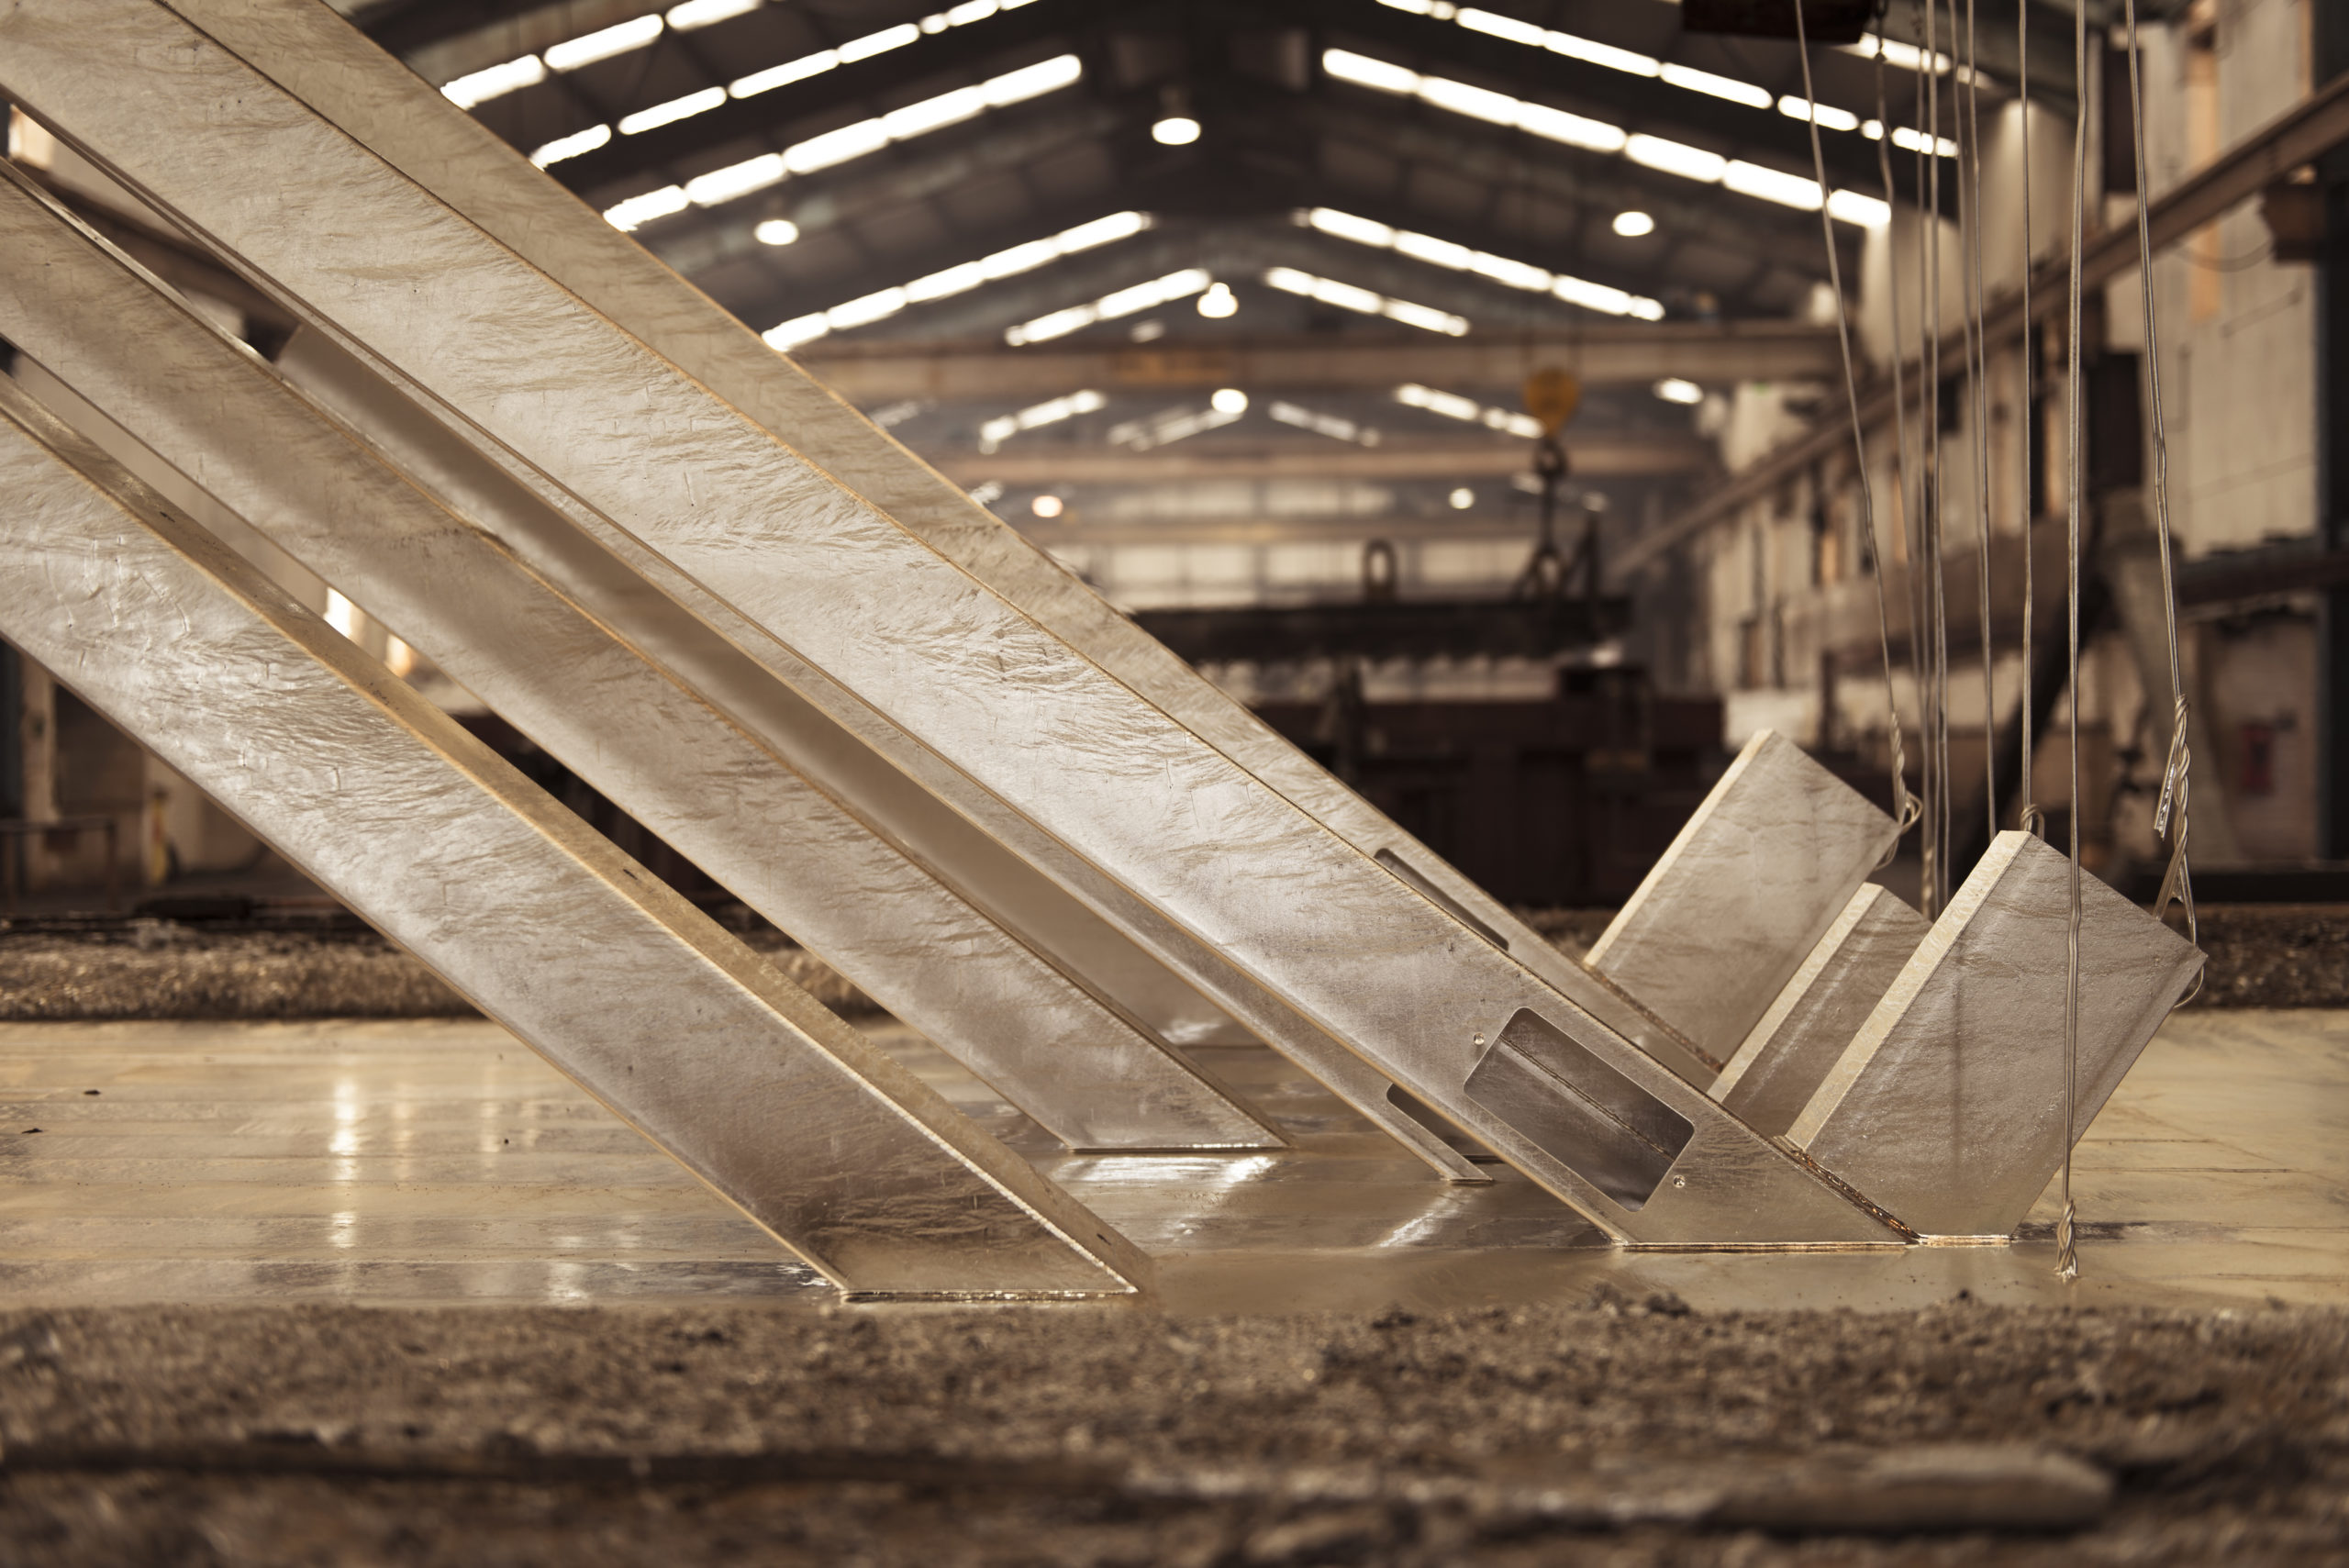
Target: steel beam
x=464 y=166
x=1788 y=1054
x=1947 y=1107
x=1599 y=355
x=1599 y=457
x=409 y=127
x=1302 y=935
x=206 y=405
x=842 y=1155
x=1743 y=894
x=843 y=761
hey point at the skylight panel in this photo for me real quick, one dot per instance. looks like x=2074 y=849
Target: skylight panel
x=1676 y=157
x=1770 y=185
x=1593 y=52
x=836 y=147
x=1574 y=130
x=995 y=432
x=1830 y=117
x=1034 y=81
x=1331 y=425
x=572 y=146
x=881 y=43
x=604 y=43
x=695 y=13
x=1468 y=411
x=1460 y=258
x=784 y=76
x=1109 y=308
x=1727 y=87
x=638 y=211
x=736 y=180
x=1347 y=296
x=1364 y=71
x=673 y=111
x=952 y=281
x=1437 y=252
x=866 y=309
x=934 y=114
x=789 y=335
x=480 y=86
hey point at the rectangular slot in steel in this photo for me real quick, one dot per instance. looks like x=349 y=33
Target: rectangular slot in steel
x=1608 y=1129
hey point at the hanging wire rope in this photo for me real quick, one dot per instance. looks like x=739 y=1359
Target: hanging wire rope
x=1934 y=481
x=2034 y=821
x=1905 y=811
x=1901 y=467
x=1978 y=373
x=2170 y=814
x=2068 y=1257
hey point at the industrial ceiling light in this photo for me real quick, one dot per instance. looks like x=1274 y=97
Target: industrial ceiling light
x=1218 y=301
x=1228 y=400
x=776 y=231
x=1634 y=225
x=1462 y=498
x=1045 y=506
x=1672 y=389
x=1174 y=127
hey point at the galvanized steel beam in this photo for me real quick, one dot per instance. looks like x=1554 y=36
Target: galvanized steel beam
x=208 y=406
x=695 y=1041
x=1301 y=935
x=1789 y=1054
x=1747 y=888
x=1947 y=1107
x=322 y=62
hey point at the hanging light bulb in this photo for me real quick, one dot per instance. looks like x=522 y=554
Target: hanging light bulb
x=1175 y=126
x=1218 y=301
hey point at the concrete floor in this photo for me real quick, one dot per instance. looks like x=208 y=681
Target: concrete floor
x=411 y=1163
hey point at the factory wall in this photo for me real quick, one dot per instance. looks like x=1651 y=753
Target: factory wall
x=1787 y=632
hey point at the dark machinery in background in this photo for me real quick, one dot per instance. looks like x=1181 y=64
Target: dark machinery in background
x=1562 y=802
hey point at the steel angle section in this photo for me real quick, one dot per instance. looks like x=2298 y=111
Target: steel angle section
x=1297 y=932
x=857 y=760
x=1790 y=1051
x=1116 y=979
x=237 y=432
x=1747 y=888
x=842 y=1155
x=1947 y=1107
x=332 y=68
